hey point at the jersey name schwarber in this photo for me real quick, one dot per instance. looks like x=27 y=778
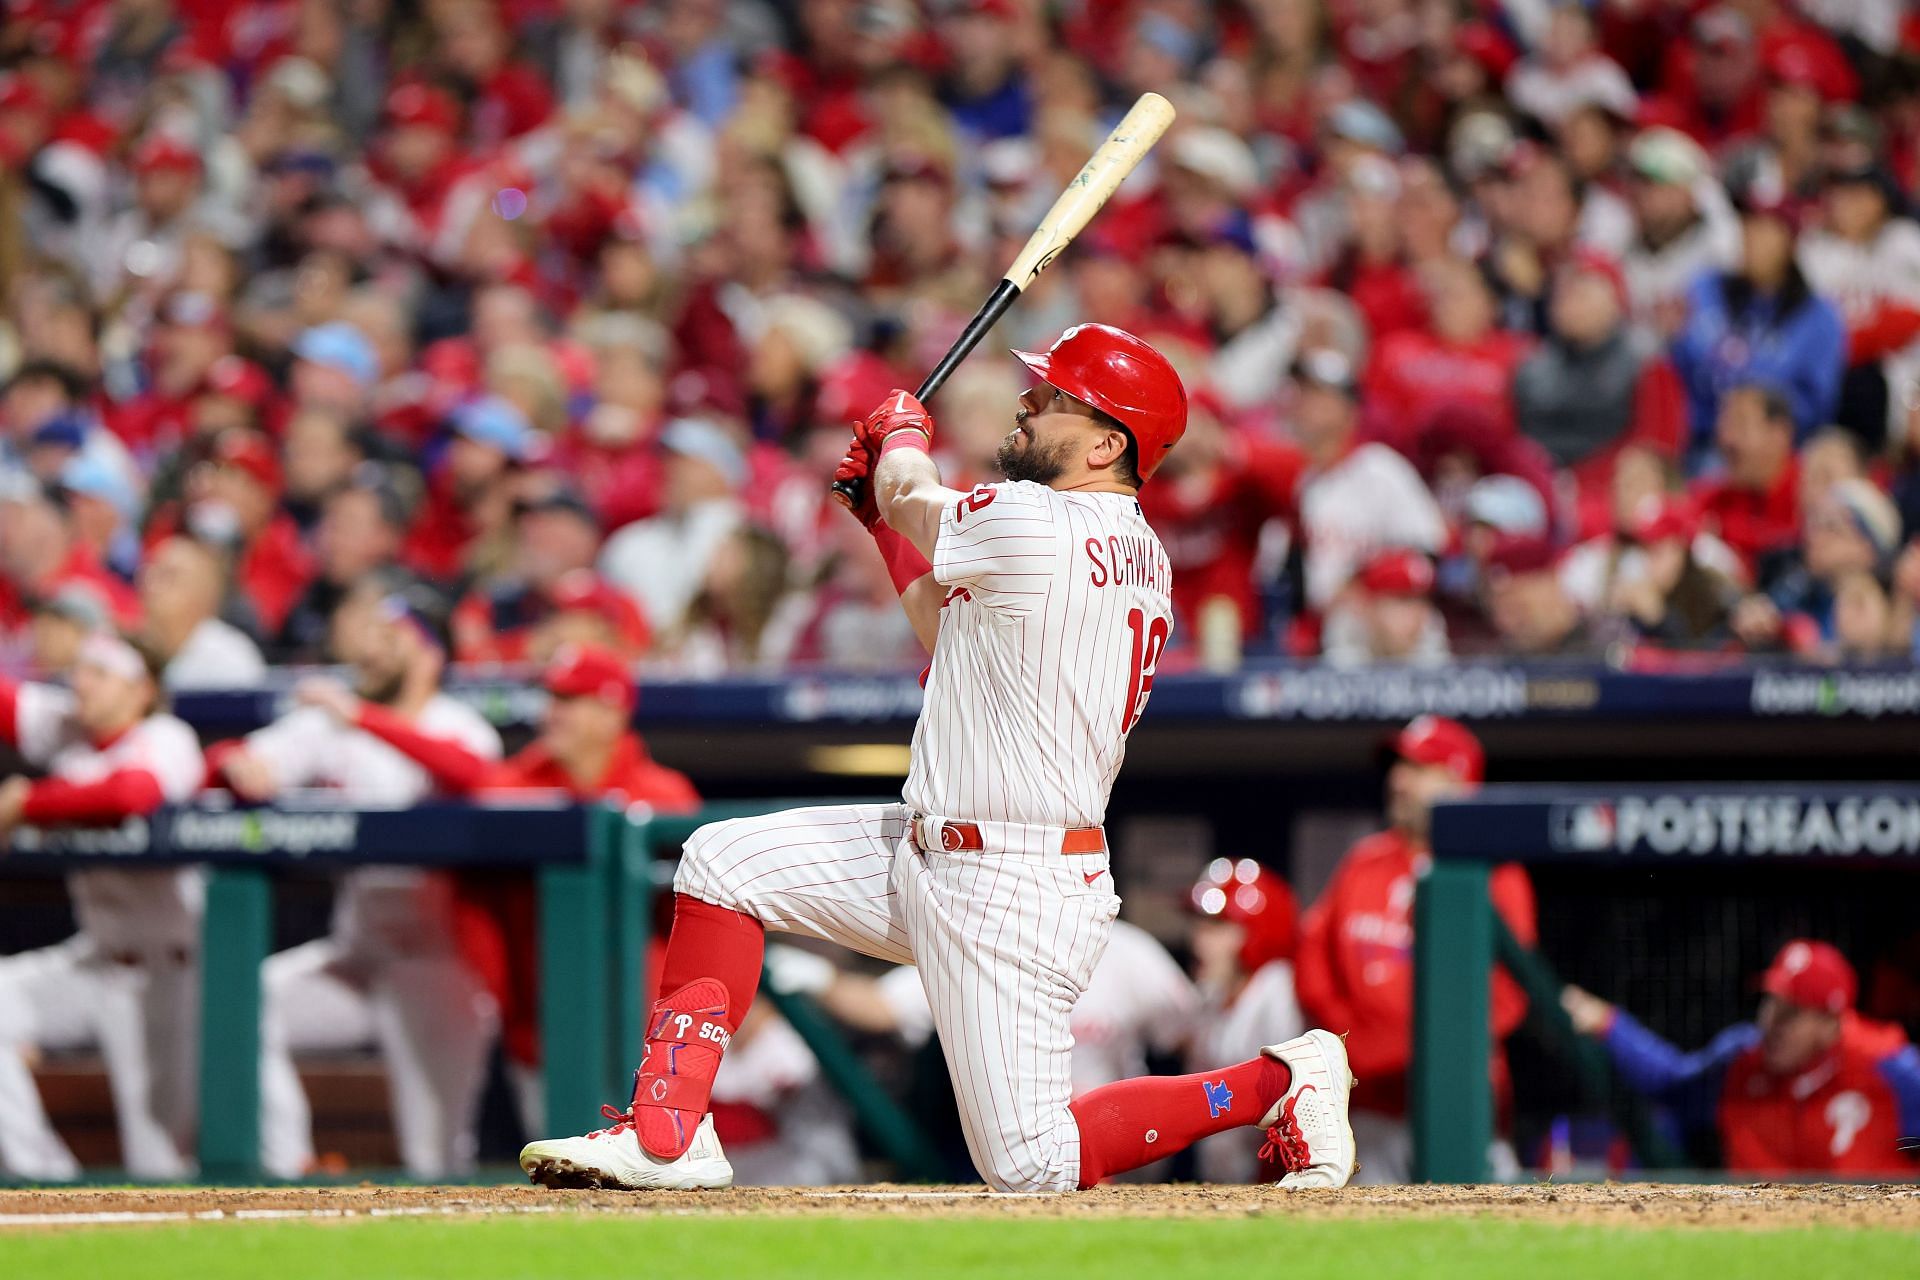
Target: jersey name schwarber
x=1058 y=610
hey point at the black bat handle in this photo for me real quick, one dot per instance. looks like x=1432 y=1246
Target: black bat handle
x=851 y=493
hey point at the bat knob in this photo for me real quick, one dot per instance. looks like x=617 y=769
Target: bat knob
x=847 y=493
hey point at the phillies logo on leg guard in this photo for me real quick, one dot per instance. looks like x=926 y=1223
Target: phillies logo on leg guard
x=1219 y=1097
x=685 y=1040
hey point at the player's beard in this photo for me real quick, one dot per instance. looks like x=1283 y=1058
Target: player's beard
x=380 y=687
x=1036 y=462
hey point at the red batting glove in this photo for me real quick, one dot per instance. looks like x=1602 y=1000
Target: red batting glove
x=900 y=411
x=857 y=466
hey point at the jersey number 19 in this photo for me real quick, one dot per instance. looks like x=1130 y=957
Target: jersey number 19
x=1149 y=641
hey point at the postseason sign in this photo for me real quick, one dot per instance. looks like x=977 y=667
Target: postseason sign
x=1540 y=823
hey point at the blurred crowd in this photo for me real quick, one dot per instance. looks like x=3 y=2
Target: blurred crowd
x=1527 y=327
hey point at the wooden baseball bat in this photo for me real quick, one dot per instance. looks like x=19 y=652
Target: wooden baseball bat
x=1097 y=180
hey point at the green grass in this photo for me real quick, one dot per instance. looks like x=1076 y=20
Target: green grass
x=893 y=1248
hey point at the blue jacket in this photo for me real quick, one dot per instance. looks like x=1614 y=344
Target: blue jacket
x=1802 y=353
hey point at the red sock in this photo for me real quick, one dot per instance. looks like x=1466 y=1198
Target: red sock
x=714 y=942
x=1134 y=1122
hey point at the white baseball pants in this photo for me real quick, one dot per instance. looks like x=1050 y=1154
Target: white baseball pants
x=1005 y=941
x=142 y=1016
x=428 y=1017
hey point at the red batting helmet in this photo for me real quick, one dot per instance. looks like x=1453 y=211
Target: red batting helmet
x=1121 y=376
x=1256 y=899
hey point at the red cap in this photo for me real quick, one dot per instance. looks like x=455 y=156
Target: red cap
x=584 y=589
x=251 y=453
x=1522 y=554
x=1813 y=975
x=163 y=151
x=1257 y=899
x=419 y=104
x=1661 y=520
x=1590 y=261
x=238 y=378
x=1438 y=740
x=1119 y=375
x=1398 y=572
x=583 y=671
x=1791 y=64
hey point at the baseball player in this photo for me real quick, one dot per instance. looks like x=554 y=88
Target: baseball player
x=389 y=973
x=1355 y=967
x=1244 y=936
x=1044 y=601
x=1809 y=1086
x=586 y=748
x=127 y=981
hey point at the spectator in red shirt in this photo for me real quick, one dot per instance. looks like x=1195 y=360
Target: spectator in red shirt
x=193 y=336
x=1372 y=266
x=1754 y=506
x=1215 y=494
x=1808 y=1087
x=1461 y=359
x=39 y=555
x=476 y=50
x=470 y=495
x=417 y=154
x=1355 y=969
x=234 y=504
x=1712 y=88
x=585 y=749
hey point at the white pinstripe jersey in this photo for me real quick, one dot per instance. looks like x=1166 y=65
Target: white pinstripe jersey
x=120 y=910
x=1057 y=613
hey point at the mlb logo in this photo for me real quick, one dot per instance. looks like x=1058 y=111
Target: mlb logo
x=1583 y=828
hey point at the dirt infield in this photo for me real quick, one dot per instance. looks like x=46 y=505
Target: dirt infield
x=1763 y=1205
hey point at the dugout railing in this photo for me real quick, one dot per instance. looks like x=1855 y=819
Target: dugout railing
x=1458 y=938
x=596 y=869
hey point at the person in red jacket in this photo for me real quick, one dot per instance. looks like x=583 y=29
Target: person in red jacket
x=1807 y=1087
x=1754 y=505
x=1355 y=969
x=1218 y=492
x=586 y=749
x=1460 y=359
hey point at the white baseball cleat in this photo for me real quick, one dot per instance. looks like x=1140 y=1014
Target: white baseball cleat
x=1307 y=1130
x=612 y=1159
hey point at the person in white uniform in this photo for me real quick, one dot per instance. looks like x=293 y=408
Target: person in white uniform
x=127 y=982
x=1045 y=603
x=388 y=974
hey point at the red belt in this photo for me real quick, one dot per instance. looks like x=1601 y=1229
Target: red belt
x=964 y=837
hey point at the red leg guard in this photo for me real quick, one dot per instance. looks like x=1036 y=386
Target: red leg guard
x=711 y=972
x=1134 y=1122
